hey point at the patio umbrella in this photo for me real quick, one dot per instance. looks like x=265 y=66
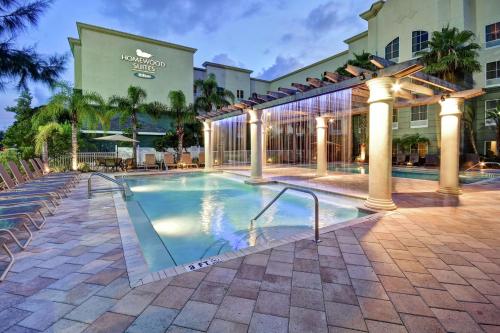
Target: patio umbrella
x=116 y=138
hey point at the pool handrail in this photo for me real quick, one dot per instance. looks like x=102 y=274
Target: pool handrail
x=120 y=187
x=298 y=189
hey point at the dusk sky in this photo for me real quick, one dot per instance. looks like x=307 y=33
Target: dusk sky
x=270 y=37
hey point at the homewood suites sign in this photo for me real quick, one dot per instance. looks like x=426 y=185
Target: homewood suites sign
x=143 y=64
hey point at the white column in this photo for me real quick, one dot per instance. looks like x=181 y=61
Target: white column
x=380 y=149
x=450 y=145
x=207 y=136
x=256 y=145
x=321 y=154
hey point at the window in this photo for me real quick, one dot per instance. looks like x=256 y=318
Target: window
x=419 y=41
x=240 y=94
x=392 y=50
x=490 y=105
x=195 y=90
x=418 y=116
x=493 y=34
x=395 y=115
x=490 y=148
x=493 y=70
x=421 y=149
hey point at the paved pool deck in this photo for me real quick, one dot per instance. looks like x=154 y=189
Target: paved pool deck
x=431 y=266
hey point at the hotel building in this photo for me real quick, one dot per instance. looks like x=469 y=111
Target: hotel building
x=108 y=61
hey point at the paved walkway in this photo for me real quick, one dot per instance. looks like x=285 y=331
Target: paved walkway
x=433 y=266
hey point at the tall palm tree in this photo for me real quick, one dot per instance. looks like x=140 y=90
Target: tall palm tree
x=80 y=108
x=452 y=54
x=23 y=64
x=181 y=114
x=494 y=115
x=129 y=108
x=468 y=117
x=212 y=96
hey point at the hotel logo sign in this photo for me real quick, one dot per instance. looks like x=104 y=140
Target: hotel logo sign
x=144 y=64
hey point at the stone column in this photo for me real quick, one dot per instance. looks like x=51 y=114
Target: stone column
x=256 y=144
x=321 y=147
x=450 y=145
x=207 y=136
x=380 y=149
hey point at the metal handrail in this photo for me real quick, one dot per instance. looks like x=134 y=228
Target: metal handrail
x=482 y=164
x=89 y=184
x=316 y=208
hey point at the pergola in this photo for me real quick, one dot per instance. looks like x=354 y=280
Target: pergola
x=377 y=93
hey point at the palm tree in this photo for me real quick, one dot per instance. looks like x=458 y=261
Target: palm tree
x=494 y=115
x=468 y=117
x=452 y=54
x=181 y=114
x=129 y=108
x=410 y=140
x=212 y=96
x=23 y=64
x=360 y=60
x=80 y=108
x=44 y=132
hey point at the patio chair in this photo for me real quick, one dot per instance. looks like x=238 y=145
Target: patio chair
x=29 y=211
x=201 y=159
x=187 y=161
x=150 y=161
x=66 y=173
x=128 y=164
x=414 y=158
x=169 y=161
x=7 y=226
x=431 y=160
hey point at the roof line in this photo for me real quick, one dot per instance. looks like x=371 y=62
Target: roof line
x=96 y=28
x=234 y=68
x=311 y=65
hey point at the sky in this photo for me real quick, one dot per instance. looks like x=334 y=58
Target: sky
x=270 y=37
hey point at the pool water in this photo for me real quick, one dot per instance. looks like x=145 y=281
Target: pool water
x=183 y=218
x=414 y=173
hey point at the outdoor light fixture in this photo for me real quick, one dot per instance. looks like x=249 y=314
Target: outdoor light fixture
x=331 y=120
x=396 y=87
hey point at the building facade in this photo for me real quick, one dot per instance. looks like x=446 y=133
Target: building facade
x=109 y=61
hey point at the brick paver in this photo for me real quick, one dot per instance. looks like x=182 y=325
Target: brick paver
x=431 y=266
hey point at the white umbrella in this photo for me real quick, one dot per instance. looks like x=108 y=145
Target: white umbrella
x=116 y=138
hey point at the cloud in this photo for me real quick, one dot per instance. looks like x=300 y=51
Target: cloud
x=282 y=65
x=225 y=59
x=155 y=17
x=332 y=15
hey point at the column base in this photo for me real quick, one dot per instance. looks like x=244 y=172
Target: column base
x=321 y=173
x=450 y=190
x=259 y=181
x=380 y=204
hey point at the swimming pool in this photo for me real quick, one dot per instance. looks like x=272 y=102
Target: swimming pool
x=415 y=173
x=183 y=218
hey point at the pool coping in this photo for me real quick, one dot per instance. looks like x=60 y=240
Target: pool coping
x=138 y=269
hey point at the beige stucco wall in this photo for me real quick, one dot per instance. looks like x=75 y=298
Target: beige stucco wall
x=103 y=70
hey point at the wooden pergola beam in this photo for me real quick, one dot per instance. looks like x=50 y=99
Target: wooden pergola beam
x=357 y=71
x=277 y=94
x=334 y=77
x=300 y=87
x=287 y=91
x=316 y=83
x=419 y=89
x=468 y=94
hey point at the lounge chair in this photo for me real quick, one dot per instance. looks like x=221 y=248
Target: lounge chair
x=187 y=161
x=41 y=184
x=168 y=161
x=150 y=161
x=7 y=226
x=15 y=191
x=48 y=178
x=61 y=175
x=201 y=159
x=28 y=211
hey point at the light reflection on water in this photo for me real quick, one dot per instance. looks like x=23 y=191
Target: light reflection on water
x=201 y=215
